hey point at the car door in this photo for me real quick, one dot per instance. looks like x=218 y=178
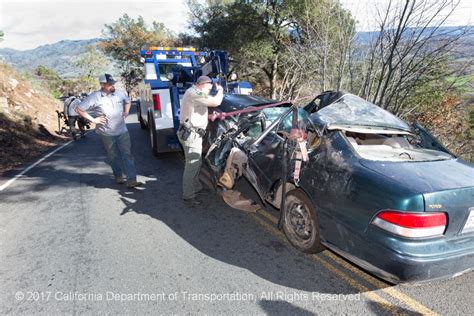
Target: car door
x=266 y=154
x=265 y=163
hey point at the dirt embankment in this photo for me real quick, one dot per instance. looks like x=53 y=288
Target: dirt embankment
x=28 y=119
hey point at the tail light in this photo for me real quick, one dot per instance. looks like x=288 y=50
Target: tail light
x=157 y=105
x=412 y=225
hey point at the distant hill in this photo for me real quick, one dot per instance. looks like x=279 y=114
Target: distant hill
x=463 y=54
x=466 y=44
x=59 y=56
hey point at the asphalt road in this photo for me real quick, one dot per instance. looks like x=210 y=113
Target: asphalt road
x=74 y=242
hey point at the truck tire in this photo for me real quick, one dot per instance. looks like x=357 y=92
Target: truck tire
x=300 y=223
x=152 y=130
x=139 y=116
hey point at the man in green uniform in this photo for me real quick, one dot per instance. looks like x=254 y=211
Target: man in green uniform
x=193 y=123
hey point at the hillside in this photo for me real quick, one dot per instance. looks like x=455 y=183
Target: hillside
x=463 y=52
x=59 y=56
x=28 y=119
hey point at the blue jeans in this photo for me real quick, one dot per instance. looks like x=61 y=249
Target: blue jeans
x=120 y=155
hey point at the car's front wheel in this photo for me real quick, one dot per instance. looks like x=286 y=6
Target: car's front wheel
x=300 y=223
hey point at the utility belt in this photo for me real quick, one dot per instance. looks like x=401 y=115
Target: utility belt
x=185 y=129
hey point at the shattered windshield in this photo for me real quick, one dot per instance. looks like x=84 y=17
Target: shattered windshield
x=286 y=124
x=280 y=121
x=269 y=115
x=351 y=110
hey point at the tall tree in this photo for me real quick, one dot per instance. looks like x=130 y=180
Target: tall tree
x=92 y=62
x=322 y=34
x=278 y=43
x=253 y=32
x=123 y=41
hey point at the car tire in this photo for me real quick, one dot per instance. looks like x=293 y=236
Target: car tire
x=300 y=223
x=152 y=131
x=139 y=116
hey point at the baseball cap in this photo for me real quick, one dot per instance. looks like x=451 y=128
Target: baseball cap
x=203 y=80
x=107 y=78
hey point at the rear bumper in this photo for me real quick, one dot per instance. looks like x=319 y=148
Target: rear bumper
x=400 y=260
x=409 y=269
x=396 y=268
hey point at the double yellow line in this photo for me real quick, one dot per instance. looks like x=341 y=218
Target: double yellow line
x=379 y=285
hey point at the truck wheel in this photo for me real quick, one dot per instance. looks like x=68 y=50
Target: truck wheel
x=139 y=116
x=300 y=223
x=153 y=140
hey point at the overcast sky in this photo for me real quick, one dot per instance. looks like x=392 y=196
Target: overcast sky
x=30 y=23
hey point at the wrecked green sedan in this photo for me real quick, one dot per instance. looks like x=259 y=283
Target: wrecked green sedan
x=348 y=175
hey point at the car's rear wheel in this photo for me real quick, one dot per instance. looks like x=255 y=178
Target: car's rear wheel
x=300 y=223
x=152 y=131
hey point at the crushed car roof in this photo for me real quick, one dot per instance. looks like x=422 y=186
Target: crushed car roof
x=351 y=110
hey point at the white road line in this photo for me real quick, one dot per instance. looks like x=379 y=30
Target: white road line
x=9 y=182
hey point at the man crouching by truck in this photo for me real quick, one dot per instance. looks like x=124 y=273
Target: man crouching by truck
x=193 y=123
x=110 y=108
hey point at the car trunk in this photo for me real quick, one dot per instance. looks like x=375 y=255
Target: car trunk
x=426 y=176
x=447 y=186
x=458 y=204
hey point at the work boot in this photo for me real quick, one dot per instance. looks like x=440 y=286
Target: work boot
x=134 y=184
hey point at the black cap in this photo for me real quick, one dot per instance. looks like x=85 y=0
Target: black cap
x=107 y=78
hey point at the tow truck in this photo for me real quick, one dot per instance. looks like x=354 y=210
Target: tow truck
x=169 y=72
